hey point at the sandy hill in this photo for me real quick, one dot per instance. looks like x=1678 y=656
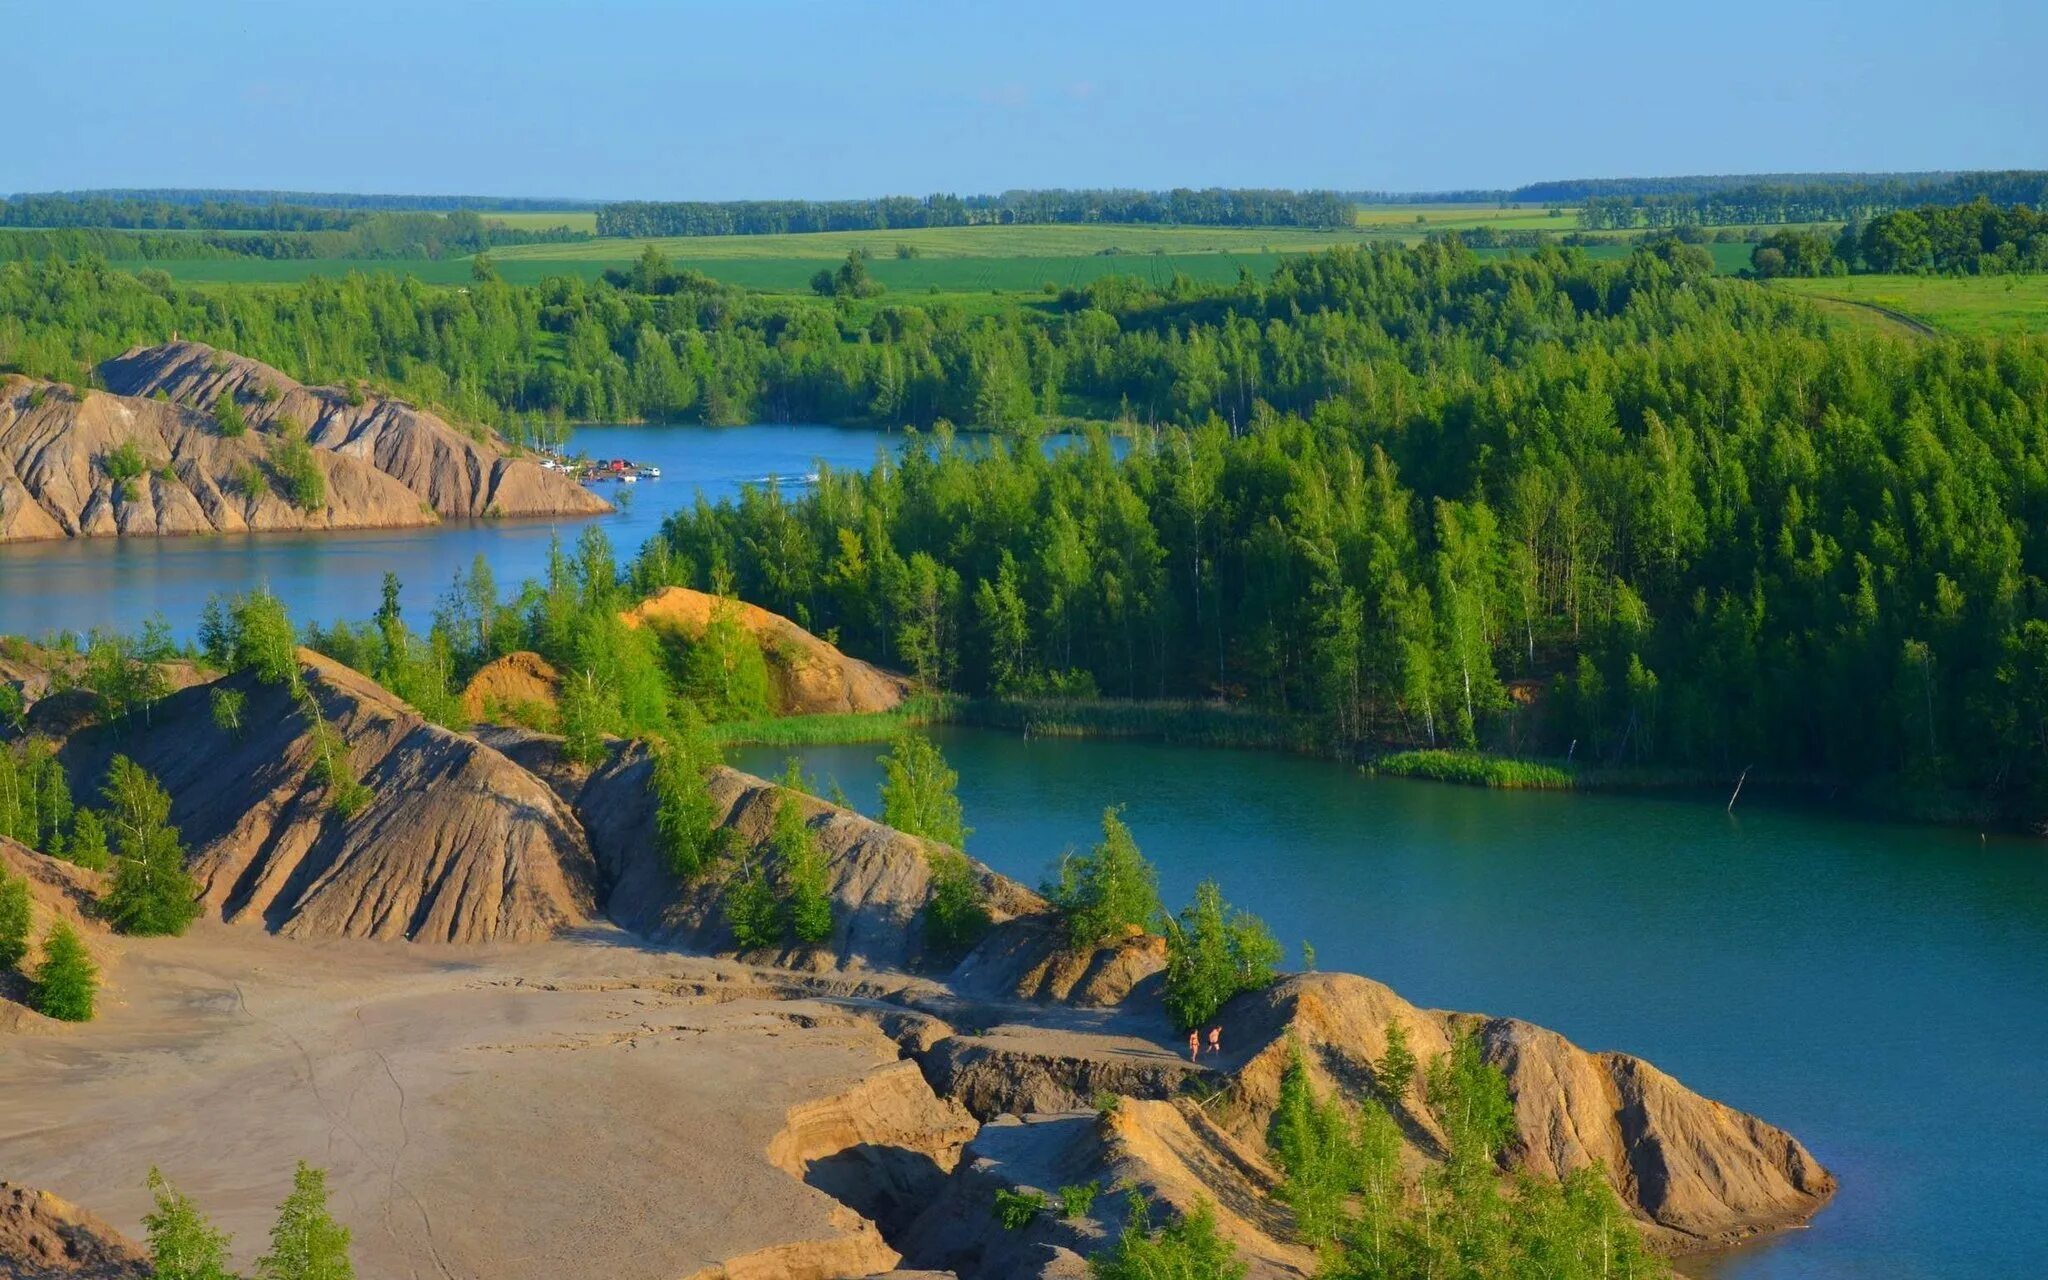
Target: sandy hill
x=54 y=484
x=519 y=683
x=453 y=473
x=457 y=843
x=811 y=677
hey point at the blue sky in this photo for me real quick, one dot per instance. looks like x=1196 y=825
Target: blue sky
x=684 y=100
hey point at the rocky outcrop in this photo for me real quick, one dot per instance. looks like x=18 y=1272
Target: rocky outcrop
x=882 y=1147
x=1021 y=1069
x=811 y=677
x=1696 y=1172
x=879 y=877
x=454 y=473
x=1028 y=959
x=57 y=892
x=456 y=843
x=520 y=686
x=1171 y=1154
x=55 y=444
x=43 y=1237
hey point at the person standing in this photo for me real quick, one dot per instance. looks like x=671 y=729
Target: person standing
x=1194 y=1046
x=1216 y=1038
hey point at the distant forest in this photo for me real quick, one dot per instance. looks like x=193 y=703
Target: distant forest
x=1812 y=199
x=140 y=234
x=1214 y=207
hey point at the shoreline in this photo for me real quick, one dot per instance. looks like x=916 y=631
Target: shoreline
x=1205 y=725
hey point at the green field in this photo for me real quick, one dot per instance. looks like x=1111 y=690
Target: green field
x=544 y=220
x=1952 y=304
x=1415 y=219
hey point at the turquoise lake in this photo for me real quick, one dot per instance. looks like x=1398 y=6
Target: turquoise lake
x=1880 y=991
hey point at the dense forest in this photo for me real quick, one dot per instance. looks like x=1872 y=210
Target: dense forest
x=1804 y=198
x=1211 y=207
x=1980 y=238
x=123 y=212
x=1624 y=511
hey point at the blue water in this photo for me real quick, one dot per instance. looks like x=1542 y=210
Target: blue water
x=1880 y=991
x=118 y=582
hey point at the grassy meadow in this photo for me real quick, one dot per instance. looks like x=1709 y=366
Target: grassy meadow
x=1981 y=305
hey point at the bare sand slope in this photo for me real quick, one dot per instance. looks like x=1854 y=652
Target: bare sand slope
x=564 y=1109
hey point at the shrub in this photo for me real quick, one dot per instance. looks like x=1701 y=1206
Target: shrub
x=297 y=470
x=227 y=416
x=752 y=910
x=1016 y=1209
x=125 y=463
x=1108 y=890
x=955 y=918
x=249 y=481
x=67 y=981
x=1189 y=1247
x=1077 y=1200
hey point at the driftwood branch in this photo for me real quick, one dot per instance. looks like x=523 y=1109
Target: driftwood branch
x=1744 y=776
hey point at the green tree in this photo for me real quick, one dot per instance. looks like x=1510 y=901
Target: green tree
x=1469 y=1098
x=183 y=1245
x=685 y=816
x=1108 y=890
x=152 y=893
x=920 y=793
x=14 y=919
x=306 y=1243
x=87 y=845
x=66 y=983
x=1213 y=952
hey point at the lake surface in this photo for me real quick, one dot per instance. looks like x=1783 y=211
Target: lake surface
x=118 y=582
x=1879 y=991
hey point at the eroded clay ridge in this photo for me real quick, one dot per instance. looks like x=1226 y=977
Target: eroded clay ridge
x=55 y=443
x=452 y=472
x=456 y=843
x=387 y=463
